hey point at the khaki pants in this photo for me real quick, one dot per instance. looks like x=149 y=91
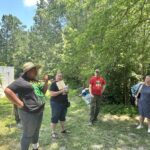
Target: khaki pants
x=95 y=107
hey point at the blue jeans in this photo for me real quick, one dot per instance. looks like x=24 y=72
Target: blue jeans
x=87 y=99
x=31 y=123
x=59 y=112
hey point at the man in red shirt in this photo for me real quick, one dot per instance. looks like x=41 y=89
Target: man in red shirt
x=96 y=87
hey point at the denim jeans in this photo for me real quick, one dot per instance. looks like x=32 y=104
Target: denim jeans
x=31 y=123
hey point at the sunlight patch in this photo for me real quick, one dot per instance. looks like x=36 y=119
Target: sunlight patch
x=116 y=117
x=96 y=147
x=54 y=146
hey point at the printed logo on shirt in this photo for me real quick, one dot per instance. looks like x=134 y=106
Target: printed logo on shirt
x=98 y=83
x=38 y=86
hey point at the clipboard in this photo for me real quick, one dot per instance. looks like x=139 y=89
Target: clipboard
x=61 y=84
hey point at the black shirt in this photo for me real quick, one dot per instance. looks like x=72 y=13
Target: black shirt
x=61 y=98
x=30 y=93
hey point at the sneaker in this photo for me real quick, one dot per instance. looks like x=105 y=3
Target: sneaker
x=90 y=123
x=35 y=146
x=19 y=125
x=139 y=127
x=54 y=135
x=148 y=130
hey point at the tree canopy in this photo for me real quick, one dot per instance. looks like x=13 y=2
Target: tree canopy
x=77 y=36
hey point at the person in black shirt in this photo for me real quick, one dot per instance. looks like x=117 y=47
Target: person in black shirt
x=30 y=100
x=59 y=102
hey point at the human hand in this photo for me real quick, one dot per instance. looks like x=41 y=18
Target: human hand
x=66 y=89
x=21 y=105
x=92 y=95
x=62 y=90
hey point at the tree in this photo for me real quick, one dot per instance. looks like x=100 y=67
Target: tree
x=14 y=41
x=78 y=36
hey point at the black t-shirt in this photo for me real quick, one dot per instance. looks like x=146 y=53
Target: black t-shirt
x=61 y=98
x=30 y=93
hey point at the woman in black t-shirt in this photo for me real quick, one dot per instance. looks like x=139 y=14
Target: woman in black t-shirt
x=59 y=104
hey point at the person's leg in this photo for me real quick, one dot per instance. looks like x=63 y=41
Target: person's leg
x=25 y=142
x=29 y=127
x=55 y=112
x=92 y=109
x=148 y=121
x=53 y=127
x=62 y=124
x=141 y=121
x=63 y=117
x=98 y=103
x=35 y=137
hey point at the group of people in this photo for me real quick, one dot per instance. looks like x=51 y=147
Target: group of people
x=28 y=94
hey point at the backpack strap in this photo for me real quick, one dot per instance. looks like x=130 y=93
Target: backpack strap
x=139 y=91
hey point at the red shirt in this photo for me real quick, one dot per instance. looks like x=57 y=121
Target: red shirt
x=97 y=84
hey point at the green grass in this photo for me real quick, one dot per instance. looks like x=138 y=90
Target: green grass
x=115 y=130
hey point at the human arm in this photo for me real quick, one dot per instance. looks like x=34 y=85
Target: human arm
x=56 y=93
x=13 y=98
x=45 y=87
x=90 y=90
x=104 y=87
